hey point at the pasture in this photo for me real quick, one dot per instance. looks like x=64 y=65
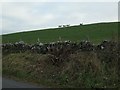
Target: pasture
x=64 y=64
x=94 y=32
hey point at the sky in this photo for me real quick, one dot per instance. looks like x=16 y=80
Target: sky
x=27 y=16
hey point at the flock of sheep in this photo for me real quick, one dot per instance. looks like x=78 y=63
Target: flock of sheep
x=68 y=25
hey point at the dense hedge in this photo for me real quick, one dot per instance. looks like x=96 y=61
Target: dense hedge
x=84 y=69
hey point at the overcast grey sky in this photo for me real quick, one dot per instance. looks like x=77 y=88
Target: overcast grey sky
x=25 y=16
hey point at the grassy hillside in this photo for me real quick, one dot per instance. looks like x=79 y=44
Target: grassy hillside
x=95 y=32
x=81 y=69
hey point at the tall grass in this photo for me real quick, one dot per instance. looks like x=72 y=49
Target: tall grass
x=82 y=69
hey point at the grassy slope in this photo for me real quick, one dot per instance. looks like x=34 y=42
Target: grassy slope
x=78 y=70
x=95 y=32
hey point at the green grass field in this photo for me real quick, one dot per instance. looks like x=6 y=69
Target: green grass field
x=78 y=70
x=94 y=32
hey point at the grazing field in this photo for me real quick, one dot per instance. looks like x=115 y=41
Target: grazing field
x=65 y=64
x=94 y=32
